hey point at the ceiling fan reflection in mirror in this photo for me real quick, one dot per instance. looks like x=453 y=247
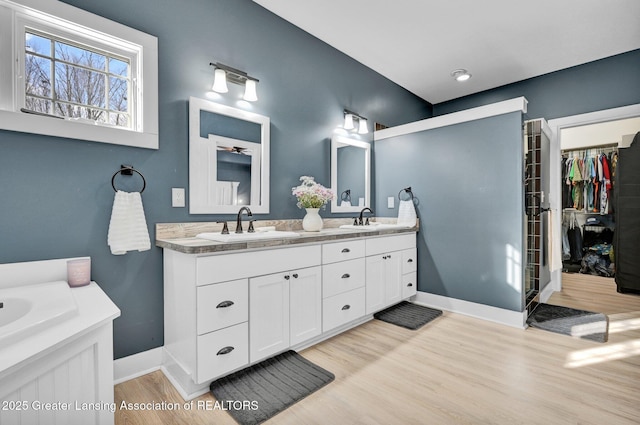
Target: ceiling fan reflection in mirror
x=233 y=149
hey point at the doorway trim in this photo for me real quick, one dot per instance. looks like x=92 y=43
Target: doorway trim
x=555 y=197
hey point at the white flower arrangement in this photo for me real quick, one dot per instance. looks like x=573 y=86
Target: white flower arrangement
x=311 y=194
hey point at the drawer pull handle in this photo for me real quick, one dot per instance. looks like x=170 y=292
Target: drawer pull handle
x=410 y=260
x=345 y=250
x=346 y=276
x=225 y=350
x=225 y=304
x=346 y=307
x=295 y=275
x=287 y=277
x=410 y=285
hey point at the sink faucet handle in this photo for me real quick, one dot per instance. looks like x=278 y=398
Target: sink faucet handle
x=225 y=228
x=366 y=223
x=355 y=221
x=251 y=229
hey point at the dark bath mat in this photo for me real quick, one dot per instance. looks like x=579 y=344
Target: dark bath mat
x=569 y=321
x=267 y=388
x=408 y=315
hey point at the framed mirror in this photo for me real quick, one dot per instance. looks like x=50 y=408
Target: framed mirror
x=350 y=174
x=228 y=159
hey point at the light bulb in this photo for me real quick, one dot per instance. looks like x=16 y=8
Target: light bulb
x=250 y=93
x=220 y=81
x=348 y=122
x=362 y=127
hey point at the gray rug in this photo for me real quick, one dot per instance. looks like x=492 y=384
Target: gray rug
x=569 y=321
x=408 y=315
x=261 y=391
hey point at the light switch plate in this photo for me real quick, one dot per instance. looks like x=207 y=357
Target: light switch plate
x=391 y=202
x=177 y=197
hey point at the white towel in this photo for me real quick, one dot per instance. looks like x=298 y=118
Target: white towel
x=407 y=213
x=128 y=227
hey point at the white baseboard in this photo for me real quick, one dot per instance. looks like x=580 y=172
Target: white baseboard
x=511 y=318
x=136 y=365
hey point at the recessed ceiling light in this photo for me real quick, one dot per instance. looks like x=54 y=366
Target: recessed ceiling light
x=461 y=74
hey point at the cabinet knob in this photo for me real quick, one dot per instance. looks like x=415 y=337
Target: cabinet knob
x=410 y=260
x=346 y=307
x=384 y=257
x=287 y=277
x=295 y=275
x=225 y=304
x=225 y=350
x=346 y=276
x=409 y=285
x=345 y=250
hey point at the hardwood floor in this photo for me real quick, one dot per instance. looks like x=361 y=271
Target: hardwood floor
x=456 y=370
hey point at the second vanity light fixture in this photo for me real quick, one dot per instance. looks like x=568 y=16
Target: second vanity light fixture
x=349 y=122
x=224 y=73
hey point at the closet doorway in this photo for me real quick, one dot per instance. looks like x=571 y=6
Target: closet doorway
x=599 y=131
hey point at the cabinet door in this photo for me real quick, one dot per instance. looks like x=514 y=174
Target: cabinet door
x=305 y=301
x=268 y=315
x=392 y=278
x=375 y=287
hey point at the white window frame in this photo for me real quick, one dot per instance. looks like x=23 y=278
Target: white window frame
x=65 y=21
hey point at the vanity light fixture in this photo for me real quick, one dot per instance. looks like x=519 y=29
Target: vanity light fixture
x=460 y=74
x=349 y=124
x=224 y=73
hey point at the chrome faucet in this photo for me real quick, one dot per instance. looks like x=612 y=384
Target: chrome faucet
x=239 y=219
x=366 y=223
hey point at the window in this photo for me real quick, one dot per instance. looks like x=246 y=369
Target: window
x=77 y=75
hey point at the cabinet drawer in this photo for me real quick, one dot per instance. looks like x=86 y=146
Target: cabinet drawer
x=342 y=277
x=222 y=305
x=375 y=246
x=225 y=267
x=409 y=285
x=222 y=351
x=409 y=260
x=340 y=251
x=342 y=308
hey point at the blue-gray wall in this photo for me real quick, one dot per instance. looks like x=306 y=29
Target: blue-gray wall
x=56 y=193
x=467 y=183
x=607 y=83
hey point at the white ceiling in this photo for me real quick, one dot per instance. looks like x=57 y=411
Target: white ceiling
x=417 y=43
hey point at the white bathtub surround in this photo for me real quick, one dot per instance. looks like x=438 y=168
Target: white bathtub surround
x=31 y=308
x=67 y=361
x=128 y=226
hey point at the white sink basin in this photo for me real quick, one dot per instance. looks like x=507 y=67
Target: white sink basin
x=375 y=226
x=241 y=237
x=31 y=308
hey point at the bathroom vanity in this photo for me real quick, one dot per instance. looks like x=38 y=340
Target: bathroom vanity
x=229 y=305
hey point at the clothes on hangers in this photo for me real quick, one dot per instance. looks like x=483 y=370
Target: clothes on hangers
x=587 y=181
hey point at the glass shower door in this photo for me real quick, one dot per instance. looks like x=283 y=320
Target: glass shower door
x=536 y=219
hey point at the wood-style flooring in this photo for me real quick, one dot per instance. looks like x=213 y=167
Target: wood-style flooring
x=456 y=370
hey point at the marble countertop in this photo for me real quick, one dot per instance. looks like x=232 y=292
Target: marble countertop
x=181 y=236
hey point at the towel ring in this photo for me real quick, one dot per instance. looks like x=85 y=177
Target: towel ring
x=408 y=190
x=127 y=170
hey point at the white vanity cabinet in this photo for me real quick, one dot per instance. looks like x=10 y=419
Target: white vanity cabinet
x=385 y=271
x=224 y=311
x=285 y=310
x=227 y=310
